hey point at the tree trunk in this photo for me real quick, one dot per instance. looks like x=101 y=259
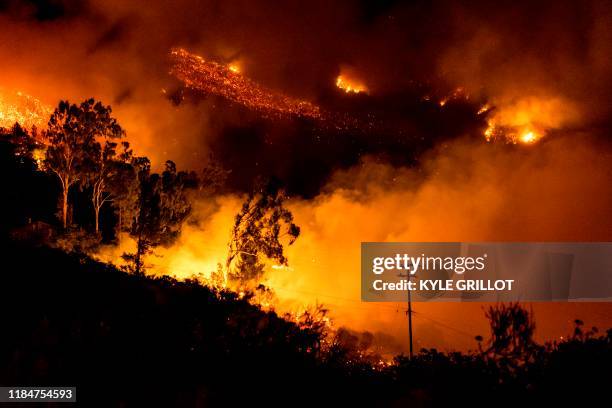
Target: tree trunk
x=226 y=272
x=64 y=207
x=137 y=260
x=139 y=253
x=119 y=232
x=97 y=215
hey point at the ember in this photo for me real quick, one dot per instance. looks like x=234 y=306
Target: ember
x=226 y=81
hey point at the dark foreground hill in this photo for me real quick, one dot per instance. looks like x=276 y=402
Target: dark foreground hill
x=134 y=341
x=127 y=340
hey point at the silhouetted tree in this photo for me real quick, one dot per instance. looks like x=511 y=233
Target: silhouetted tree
x=258 y=230
x=512 y=328
x=126 y=192
x=175 y=205
x=106 y=175
x=162 y=206
x=71 y=137
x=141 y=216
x=511 y=345
x=24 y=142
x=27 y=194
x=213 y=177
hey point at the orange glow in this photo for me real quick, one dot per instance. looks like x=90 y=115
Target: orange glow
x=39 y=155
x=526 y=120
x=234 y=67
x=18 y=107
x=524 y=135
x=483 y=109
x=528 y=137
x=458 y=93
x=350 y=85
x=323 y=260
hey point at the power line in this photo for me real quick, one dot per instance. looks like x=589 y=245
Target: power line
x=445 y=325
x=362 y=306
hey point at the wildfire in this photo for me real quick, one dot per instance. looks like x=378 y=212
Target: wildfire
x=234 y=67
x=39 y=155
x=227 y=82
x=458 y=93
x=18 y=107
x=484 y=109
x=525 y=135
x=350 y=86
x=528 y=137
x=527 y=120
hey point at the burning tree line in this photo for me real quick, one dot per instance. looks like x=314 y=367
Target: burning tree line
x=83 y=148
x=225 y=81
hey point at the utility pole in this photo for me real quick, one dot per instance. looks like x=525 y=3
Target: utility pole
x=409 y=312
x=410 y=319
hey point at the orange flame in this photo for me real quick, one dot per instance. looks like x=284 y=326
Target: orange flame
x=526 y=120
x=18 y=107
x=458 y=93
x=350 y=86
x=234 y=67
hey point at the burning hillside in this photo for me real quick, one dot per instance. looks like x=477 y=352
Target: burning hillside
x=347 y=81
x=228 y=82
x=527 y=120
x=18 y=107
